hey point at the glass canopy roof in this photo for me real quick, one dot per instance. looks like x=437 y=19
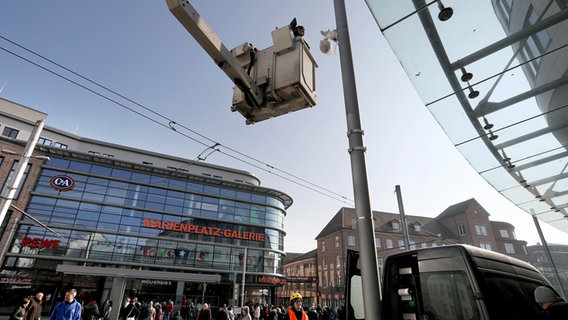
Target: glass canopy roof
x=494 y=75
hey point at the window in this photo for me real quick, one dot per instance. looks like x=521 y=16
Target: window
x=504 y=233
x=44 y=141
x=351 y=240
x=337 y=241
x=338 y=261
x=322 y=245
x=480 y=230
x=395 y=225
x=417 y=228
x=94 y=153
x=536 y=44
x=484 y=245
x=412 y=245
x=504 y=7
x=509 y=248
x=389 y=243
x=448 y=295
x=401 y=244
x=461 y=230
x=323 y=264
x=307 y=268
x=353 y=223
x=10 y=132
x=424 y=245
x=60 y=145
x=378 y=242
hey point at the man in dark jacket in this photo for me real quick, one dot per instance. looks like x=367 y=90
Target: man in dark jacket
x=132 y=310
x=32 y=309
x=554 y=307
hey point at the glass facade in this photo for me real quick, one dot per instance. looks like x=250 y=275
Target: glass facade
x=118 y=217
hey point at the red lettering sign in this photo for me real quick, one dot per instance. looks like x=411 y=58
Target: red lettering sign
x=40 y=243
x=204 y=230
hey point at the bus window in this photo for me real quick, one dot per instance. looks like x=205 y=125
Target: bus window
x=508 y=297
x=447 y=296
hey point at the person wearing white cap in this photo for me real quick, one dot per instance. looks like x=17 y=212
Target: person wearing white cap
x=555 y=308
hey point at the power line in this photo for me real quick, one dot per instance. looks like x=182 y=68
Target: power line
x=172 y=125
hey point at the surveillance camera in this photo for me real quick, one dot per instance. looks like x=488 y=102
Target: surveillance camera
x=326 y=46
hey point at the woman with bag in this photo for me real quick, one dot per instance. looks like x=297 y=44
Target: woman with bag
x=20 y=312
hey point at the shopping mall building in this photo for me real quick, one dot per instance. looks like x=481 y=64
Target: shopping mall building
x=115 y=221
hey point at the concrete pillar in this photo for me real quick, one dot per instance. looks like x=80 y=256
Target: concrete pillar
x=179 y=295
x=117 y=296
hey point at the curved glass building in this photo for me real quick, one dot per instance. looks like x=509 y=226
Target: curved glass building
x=122 y=221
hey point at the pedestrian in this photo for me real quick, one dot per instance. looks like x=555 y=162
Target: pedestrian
x=145 y=311
x=90 y=311
x=68 y=309
x=132 y=310
x=39 y=300
x=125 y=304
x=326 y=314
x=204 y=313
x=19 y=312
x=107 y=309
x=159 y=314
x=231 y=313
x=33 y=311
x=152 y=310
x=168 y=309
x=191 y=311
x=184 y=309
x=256 y=314
x=312 y=313
x=553 y=306
x=245 y=312
x=296 y=312
x=222 y=314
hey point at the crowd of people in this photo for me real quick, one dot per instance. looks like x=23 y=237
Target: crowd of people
x=553 y=308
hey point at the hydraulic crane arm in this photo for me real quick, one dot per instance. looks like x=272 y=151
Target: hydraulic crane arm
x=198 y=28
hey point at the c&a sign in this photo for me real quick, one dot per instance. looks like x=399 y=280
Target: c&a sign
x=62 y=183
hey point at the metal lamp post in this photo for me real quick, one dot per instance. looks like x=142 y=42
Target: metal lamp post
x=365 y=228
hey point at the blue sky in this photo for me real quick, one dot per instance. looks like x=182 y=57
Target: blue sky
x=138 y=49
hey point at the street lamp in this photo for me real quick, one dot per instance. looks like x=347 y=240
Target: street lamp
x=20 y=169
x=365 y=228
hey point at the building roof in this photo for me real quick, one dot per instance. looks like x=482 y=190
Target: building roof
x=381 y=221
x=292 y=257
x=457 y=208
x=429 y=226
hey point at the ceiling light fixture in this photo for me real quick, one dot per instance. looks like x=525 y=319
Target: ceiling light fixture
x=445 y=12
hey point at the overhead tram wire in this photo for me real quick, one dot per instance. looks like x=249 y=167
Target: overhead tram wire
x=170 y=124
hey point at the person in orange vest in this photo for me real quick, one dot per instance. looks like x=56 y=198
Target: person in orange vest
x=296 y=312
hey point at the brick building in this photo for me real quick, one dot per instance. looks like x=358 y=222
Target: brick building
x=301 y=276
